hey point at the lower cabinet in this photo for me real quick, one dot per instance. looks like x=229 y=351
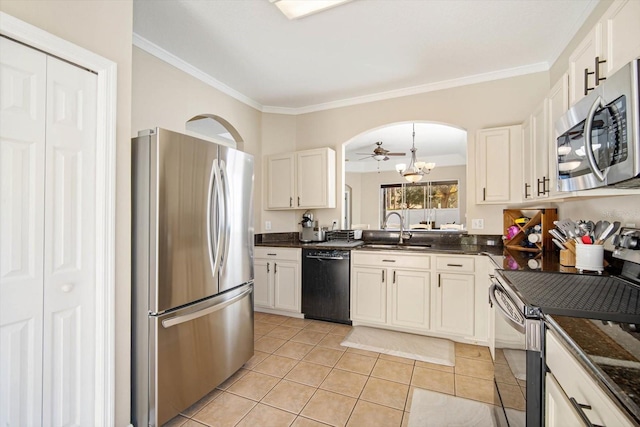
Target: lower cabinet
x=419 y=292
x=567 y=381
x=410 y=298
x=558 y=409
x=369 y=294
x=455 y=303
x=277 y=283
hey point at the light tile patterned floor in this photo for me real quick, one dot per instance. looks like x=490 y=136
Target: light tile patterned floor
x=300 y=376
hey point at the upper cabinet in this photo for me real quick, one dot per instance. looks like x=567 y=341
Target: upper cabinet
x=301 y=180
x=498 y=165
x=557 y=105
x=611 y=43
x=535 y=157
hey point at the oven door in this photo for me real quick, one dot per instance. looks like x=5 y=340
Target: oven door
x=508 y=345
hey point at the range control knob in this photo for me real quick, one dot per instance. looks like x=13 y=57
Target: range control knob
x=633 y=242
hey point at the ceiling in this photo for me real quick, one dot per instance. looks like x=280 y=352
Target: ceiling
x=357 y=52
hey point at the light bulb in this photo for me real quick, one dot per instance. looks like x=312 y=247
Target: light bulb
x=400 y=167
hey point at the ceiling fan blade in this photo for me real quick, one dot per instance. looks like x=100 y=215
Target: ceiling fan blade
x=365 y=154
x=368 y=157
x=396 y=154
x=386 y=158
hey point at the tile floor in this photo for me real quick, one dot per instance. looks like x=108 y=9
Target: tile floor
x=300 y=376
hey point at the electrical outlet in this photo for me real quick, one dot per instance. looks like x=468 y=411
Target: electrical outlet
x=477 y=223
x=267 y=225
x=334 y=224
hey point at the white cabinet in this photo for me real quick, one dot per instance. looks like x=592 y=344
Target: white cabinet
x=575 y=383
x=368 y=293
x=410 y=298
x=277 y=282
x=611 y=43
x=391 y=289
x=455 y=295
x=585 y=65
x=301 y=180
x=557 y=106
x=498 y=160
x=281 y=181
x=558 y=409
x=621 y=34
x=535 y=158
x=47 y=250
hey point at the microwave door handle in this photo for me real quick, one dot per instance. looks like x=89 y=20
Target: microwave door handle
x=588 y=143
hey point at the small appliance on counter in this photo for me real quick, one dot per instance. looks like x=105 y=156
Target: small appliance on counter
x=311 y=231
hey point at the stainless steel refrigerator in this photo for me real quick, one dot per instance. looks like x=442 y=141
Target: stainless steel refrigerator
x=192 y=290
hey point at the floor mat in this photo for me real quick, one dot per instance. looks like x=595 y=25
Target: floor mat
x=418 y=347
x=429 y=408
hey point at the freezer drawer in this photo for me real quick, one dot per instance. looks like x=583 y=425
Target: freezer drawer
x=197 y=349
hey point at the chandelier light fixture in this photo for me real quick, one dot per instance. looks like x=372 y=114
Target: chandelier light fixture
x=416 y=169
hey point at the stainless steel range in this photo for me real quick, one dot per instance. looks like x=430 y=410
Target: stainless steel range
x=583 y=308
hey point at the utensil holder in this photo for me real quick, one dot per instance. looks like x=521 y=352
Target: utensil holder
x=590 y=258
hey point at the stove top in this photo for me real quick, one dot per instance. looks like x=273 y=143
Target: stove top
x=594 y=296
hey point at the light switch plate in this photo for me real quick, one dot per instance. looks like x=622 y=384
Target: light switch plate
x=267 y=225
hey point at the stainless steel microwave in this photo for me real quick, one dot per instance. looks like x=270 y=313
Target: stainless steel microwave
x=598 y=142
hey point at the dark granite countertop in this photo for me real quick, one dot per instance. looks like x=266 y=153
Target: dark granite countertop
x=437 y=243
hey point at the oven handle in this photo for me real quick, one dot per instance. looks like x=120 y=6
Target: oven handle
x=520 y=327
x=324 y=257
x=588 y=142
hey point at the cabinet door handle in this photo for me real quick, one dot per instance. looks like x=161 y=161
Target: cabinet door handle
x=382 y=276
x=388 y=260
x=540 y=182
x=290 y=202
x=298 y=200
x=598 y=79
x=484 y=194
x=526 y=190
x=394 y=276
x=272 y=254
x=545 y=181
x=587 y=73
x=267 y=267
x=579 y=407
x=454 y=265
x=439 y=280
x=275 y=268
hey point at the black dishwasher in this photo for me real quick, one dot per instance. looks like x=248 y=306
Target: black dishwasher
x=326 y=285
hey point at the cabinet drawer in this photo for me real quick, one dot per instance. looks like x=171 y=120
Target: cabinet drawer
x=390 y=259
x=454 y=263
x=576 y=383
x=282 y=254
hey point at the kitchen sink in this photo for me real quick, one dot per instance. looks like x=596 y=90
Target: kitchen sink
x=396 y=246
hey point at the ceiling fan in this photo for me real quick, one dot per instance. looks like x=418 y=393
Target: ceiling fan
x=380 y=153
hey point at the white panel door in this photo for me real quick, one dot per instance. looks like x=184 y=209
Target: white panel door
x=263 y=283
x=455 y=296
x=69 y=246
x=280 y=181
x=22 y=153
x=369 y=294
x=411 y=298
x=286 y=285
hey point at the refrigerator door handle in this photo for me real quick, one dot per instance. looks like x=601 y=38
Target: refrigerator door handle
x=224 y=181
x=167 y=323
x=214 y=239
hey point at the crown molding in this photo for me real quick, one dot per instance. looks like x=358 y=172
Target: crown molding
x=414 y=90
x=171 y=59
x=182 y=65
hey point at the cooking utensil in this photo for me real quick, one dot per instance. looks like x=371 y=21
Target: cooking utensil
x=559 y=244
x=568 y=227
x=558 y=235
x=586 y=240
x=606 y=233
x=598 y=229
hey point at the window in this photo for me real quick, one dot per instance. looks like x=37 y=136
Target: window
x=433 y=202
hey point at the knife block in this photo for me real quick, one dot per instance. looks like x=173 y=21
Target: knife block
x=568 y=256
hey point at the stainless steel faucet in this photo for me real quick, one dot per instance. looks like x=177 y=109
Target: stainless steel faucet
x=402 y=232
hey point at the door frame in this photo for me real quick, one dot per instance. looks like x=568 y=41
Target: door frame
x=105 y=192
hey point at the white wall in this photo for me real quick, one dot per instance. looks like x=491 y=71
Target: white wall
x=472 y=107
x=105 y=28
